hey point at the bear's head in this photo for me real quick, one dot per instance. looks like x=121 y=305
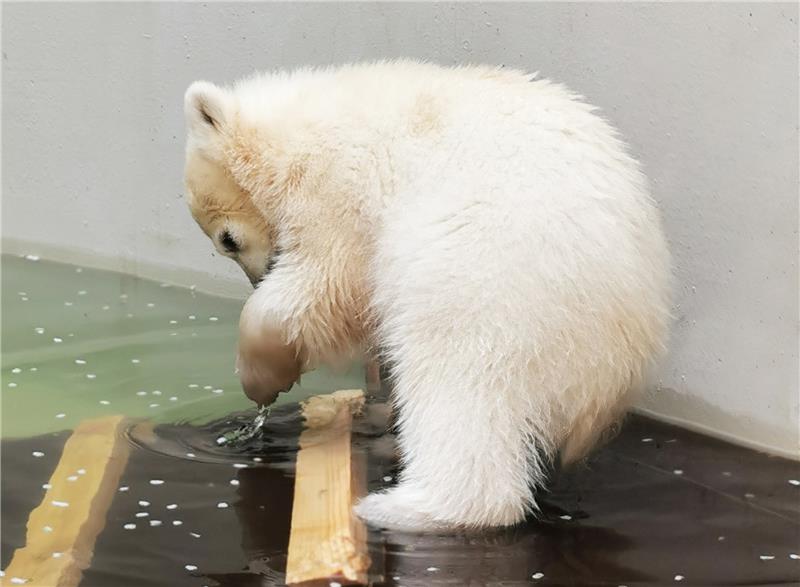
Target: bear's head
x=224 y=211
x=268 y=363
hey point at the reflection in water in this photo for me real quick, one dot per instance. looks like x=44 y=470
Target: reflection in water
x=624 y=519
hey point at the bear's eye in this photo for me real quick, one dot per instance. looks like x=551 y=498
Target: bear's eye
x=228 y=242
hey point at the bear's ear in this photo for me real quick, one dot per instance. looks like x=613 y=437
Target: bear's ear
x=206 y=106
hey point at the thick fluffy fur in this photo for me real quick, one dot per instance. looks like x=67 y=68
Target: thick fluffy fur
x=486 y=230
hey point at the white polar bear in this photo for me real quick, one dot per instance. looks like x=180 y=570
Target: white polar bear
x=486 y=230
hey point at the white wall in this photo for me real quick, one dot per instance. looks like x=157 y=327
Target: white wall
x=707 y=95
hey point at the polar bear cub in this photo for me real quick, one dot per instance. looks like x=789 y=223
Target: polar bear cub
x=483 y=229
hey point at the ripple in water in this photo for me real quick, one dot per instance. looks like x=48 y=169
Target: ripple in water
x=257 y=436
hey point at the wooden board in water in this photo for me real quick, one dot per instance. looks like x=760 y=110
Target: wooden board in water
x=63 y=528
x=327 y=541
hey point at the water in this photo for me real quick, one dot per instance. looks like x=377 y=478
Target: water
x=80 y=344
x=219 y=513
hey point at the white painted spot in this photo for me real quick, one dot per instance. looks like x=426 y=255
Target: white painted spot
x=172 y=506
x=207 y=387
x=12 y=384
x=679 y=577
x=193 y=386
x=32 y=258
x=106 y=307
x=151 y=305
x=240 y=465
x=794 y=482
x=33 y=369
x=56 y=339
x=647 y=440
x=432 y=569
x=794 y=556
x=218 y=391
x=59 y=416
x=142 y=514
x=144 y=503
x=67 y=304
x=80 y=362
x=155 y=523
x=72 y=478
x=749 y=495
x=47 y=529
x=141 y=393
x=192 y=317
x=46 y=486
x=173 y=321
x=153 y=405
x=38 y=454
x=57 y=554
x=234 y=482
x=257 y=459
x=190 y=567
x=194 y=534
x=678 y=471
x=222 y=505
x=213 y=318
x=20 y=580
x=156 y=392
x=60 y=504
x=82 y=292
x=124 y=488
x=221 y=440
x=173 y=398
x=565 y=517
x=191 y=455
x=135 y=361
x=537 y=576
x=105 y=402
x=130 y=526
x=81 y=471
x=767 y=557
x=177 y=522
x=91 y=376
x=39 y=330
x=156 y=482
x=16 y=370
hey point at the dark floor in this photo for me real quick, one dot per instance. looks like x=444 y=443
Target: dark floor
x=656 y=506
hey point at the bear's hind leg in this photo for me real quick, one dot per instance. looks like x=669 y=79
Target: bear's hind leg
x=466 y=446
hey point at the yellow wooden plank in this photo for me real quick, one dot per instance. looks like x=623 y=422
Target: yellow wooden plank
x=63 y=528
x=327 y=540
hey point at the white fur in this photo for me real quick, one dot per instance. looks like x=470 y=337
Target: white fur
x=487 y=231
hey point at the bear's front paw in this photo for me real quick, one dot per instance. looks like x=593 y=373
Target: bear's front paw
x=267 y=365
x=397 y=509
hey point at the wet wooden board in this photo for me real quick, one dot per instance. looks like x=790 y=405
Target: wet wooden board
x=327 y=541
x=61 y=531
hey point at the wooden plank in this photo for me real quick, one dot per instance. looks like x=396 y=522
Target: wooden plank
x=327 y=541
x=63 y=528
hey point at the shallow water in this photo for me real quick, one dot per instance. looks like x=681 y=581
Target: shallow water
x=656 y=504
x=79 y=343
